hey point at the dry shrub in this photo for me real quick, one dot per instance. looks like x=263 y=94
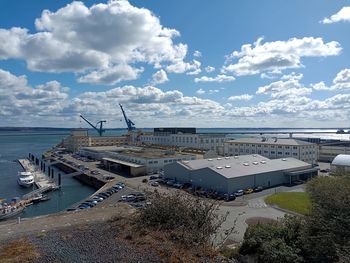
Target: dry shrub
x=18 y=251
x=186 y=219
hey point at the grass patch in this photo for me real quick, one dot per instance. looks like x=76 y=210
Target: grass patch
x=18 y=251
x=298 y=202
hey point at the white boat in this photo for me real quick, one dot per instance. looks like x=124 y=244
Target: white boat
x=25 y=179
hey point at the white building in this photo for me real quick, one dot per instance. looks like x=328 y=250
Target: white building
x=184 y=137
x=273 y=148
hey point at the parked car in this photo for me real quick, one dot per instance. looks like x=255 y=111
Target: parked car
x=239 y=193
x=248 y=191
x=153 y=177
x=258 y=189
x=170 y=182
x=229 y=197
x=155 y=184
x=177 y=185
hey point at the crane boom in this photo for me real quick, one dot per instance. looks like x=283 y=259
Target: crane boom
x=129 y=123
x=100 y=130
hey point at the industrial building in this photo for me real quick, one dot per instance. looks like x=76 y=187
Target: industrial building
x=273 y=148
x=80 y=138
x=132 y=160
x=329 y=150
x=183 y=137
x=229 y=174
x=341 y=164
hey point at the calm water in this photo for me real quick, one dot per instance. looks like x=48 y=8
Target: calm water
x=17 y=144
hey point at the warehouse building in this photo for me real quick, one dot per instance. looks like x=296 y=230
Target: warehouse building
x=273 y=148
x=229 y=174
x=132 y=160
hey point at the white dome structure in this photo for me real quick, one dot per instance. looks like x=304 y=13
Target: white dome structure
x=341 y=163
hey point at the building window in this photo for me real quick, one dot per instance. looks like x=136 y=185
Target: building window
x=294 y=147
x=279 y=153
x=273 y=152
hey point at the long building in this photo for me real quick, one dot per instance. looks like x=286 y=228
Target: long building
x=273 y=148
x=229 y=174
x=184 y=137
x=132 y=160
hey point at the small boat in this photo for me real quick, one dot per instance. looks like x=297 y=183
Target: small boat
x=11 y=209
x=39 y=198
x=25 y=179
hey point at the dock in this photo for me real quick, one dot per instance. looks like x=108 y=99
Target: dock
x=41 y=180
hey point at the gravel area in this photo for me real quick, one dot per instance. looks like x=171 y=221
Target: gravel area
x=92 y=243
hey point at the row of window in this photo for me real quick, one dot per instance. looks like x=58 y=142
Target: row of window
x=272 y=146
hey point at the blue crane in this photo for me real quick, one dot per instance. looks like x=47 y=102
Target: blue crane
x=100 y=129
x=129 y=123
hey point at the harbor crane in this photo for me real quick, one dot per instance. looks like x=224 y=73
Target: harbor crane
x=129 y=123
x=98 y=127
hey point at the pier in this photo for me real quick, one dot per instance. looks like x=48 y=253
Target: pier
x=43 y=182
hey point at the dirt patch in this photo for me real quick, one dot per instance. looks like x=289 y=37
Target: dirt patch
x=20 y=251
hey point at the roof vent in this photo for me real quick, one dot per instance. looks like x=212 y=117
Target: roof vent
x=185 y=161
x=210 y=160
x=227 y=158
x=263 y=162
x=254 y=155
x=218 y=167
x=246 y=164
x=236 y=157
x=219 y=159
x=227 y=166
x=284 y=159
x=256 y=163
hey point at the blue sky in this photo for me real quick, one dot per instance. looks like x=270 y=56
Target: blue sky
x=175 y=63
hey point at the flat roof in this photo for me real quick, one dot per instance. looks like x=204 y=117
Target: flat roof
x=149 y=154
x=271 y=141
x=113 y=148
x=123 y=162
x=243 y=165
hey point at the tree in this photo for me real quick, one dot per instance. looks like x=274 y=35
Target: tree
x=277 y=242
x=327 y=228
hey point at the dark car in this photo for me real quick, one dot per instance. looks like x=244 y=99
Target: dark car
x=258 y=189
x=153 y=177
x=229 y=197
x=104 y=195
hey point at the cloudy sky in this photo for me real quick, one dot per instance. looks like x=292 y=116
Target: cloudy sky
x=195 y=63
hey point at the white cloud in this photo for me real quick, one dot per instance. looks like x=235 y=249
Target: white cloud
x=159 y=77
x=342 y=15
x=112 y=75
x=340 y=82
x=209 y=69
x=192 y=68
x=100 y=43
x=278 y=55
x=197 y=54
x=212 y=91
x=200 y=92
x=218 y=78
x=288 y=86
x=22 y=103
x=244 y=97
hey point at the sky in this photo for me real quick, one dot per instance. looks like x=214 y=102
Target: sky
x=195 y=63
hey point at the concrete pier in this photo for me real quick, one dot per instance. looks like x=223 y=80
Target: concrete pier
x=43 y=182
